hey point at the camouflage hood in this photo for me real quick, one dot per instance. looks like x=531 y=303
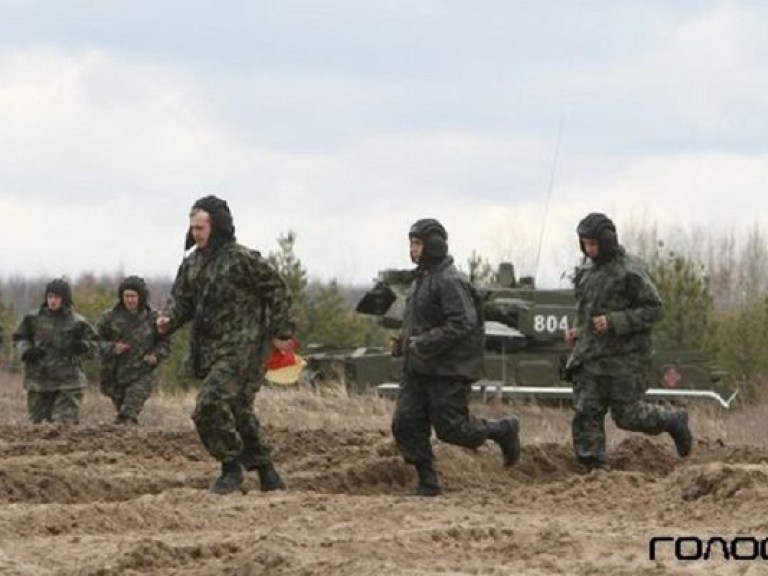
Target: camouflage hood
x=60 y=287
x=137 y=284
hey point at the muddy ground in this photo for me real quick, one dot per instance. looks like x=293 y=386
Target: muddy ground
x=99 y=499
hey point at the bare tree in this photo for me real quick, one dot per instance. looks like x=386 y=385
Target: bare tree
x=753 y=272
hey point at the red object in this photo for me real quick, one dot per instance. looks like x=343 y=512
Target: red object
x=279 y=359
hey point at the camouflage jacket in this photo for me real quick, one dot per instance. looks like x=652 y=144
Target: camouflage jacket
x=236 y=302
x=140 y=332
x=444 y=314
x=623 y=291
x=58 y=335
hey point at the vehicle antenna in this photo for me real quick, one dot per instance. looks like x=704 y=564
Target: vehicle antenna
x=549 y=196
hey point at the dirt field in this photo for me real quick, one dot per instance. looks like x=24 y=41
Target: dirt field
x=97 y=499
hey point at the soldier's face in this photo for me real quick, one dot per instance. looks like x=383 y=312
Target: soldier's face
x=200 y=225
x=591 y=248
x=131 y=300
x=53 y=301
x=416 y=249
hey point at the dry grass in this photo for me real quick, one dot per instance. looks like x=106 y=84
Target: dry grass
x=333 y=408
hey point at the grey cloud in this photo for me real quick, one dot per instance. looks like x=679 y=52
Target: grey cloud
x=310 y=114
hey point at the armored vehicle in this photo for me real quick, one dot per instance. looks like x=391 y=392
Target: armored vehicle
x=525 y=348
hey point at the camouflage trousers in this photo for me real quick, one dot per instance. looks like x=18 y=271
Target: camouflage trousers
x=129 y=399
x=55 y=405
x=622 y=394
x=225 y=420
x=427 y=401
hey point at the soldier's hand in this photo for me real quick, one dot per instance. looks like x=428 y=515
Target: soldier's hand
x=32 y=354
x=78 y=347
x=121 y=347
x=600 y=324
x=284 y=344
x=163 y=323
x=413 y=343
x=150 y=359
x=571 y=335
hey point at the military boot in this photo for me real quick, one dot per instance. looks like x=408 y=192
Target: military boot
x=249 y=462
x=126 y=420
x=254 y=454
x=506 y=433
x=593 y=464
x=269 y=478
x=230 y=480
x=680 y=432
x=428 y=485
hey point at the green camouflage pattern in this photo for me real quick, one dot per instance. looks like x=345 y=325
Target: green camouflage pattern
x=55 y=405
x=611 y=371
x=236 y=303
x=129 y=399
x=127 y=379
x=622 y=290
x=225 y=421
x=58 y=334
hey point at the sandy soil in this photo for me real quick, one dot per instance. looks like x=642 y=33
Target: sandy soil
x=98 y=499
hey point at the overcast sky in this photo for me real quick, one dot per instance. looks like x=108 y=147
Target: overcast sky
x=346 y=120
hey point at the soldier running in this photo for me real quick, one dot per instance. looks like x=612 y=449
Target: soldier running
x=238 y=305
x=51 y=342
x=131 y=350
x=442 y=343
x=617 y=307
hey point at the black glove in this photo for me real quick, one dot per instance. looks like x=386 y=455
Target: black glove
x=32 y=354
x=78 y=347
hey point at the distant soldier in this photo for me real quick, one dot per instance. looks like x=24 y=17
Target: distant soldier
x=131 y=349
x=51 y=342
x=610 y=366
x=442 y=342
x=238 y=305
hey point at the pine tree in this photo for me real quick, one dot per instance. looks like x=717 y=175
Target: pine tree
x=683 y=285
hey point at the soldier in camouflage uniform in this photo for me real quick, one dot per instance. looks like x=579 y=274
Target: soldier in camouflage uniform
x=442 y=343
x=131 y=349
x=618 y=305
x=51 y=342
x=238 y=305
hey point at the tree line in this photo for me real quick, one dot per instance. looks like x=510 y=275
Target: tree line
x=715 y=290
x=324 y=311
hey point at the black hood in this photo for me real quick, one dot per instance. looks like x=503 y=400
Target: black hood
x=435 y=238
x=222 y=226
x=597 y=226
